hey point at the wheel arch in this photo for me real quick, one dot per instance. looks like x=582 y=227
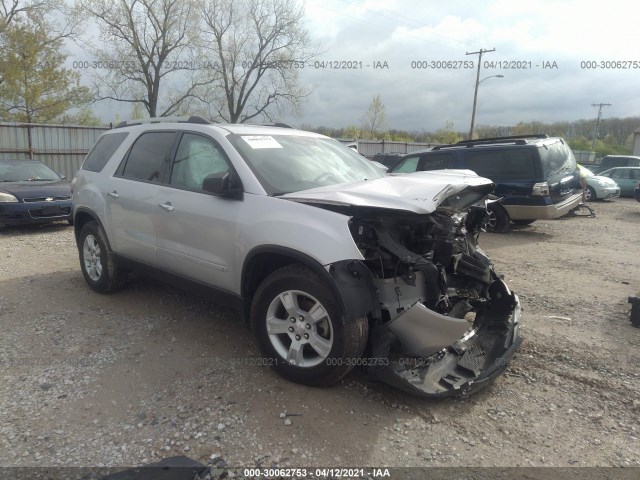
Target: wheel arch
x=349 y=280
x=81 y=217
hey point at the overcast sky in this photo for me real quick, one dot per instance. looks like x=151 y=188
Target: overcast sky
x=533 y=34
x=529 y=32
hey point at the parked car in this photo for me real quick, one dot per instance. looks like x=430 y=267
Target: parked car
x=535 y=175
x=30 y=192
x=332 y=262
x=636 y=192
x=600 y=188
x=626 y=177
x=612 y=161
x=389 y=160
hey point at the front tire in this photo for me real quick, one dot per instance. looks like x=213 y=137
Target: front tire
x=97 y=261
x=301 y=329
x=498 y=220
x=590 y=194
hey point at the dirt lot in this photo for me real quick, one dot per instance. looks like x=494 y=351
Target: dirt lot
x=151 y=372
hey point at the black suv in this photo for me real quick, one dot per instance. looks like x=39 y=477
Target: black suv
x=535 y=175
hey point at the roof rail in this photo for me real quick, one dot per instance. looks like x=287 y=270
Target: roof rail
x=515 y=139
x=184 y=119
x=278 y=124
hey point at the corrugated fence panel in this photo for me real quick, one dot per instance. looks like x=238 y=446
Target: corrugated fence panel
x=61 y=147
x=369 y=148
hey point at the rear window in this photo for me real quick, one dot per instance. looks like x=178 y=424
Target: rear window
x=102 y=151
x=503 y=163
x=557 y=159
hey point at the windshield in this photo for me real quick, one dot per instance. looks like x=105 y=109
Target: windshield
x=26 y=171
x=290 y=163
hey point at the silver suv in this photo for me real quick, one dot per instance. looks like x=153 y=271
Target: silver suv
x=333 y=263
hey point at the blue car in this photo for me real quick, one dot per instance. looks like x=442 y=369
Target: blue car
x=30 y=192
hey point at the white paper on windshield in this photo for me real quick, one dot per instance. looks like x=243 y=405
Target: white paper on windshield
x=261 y=141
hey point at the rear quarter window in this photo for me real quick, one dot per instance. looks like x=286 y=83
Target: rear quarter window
x=437 y=161
x=503 y=163
x=102 y=151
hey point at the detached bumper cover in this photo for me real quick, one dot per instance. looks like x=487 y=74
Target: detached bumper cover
x=468 y=364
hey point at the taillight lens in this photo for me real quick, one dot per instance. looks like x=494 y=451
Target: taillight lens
x=541 y=189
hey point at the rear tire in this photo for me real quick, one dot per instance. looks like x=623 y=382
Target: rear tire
x=498 y=220
x=301 y=329
x=97 y=260
x=528 y=221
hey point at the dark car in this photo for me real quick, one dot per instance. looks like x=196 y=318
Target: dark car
x=30 y=192
x=534 y=175
x=389 y=160
x=636 y=192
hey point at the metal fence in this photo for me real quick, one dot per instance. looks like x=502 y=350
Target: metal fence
x=61 y=147
x=369 y=148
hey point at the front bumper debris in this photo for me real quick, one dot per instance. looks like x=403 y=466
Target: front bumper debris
x=464 y=366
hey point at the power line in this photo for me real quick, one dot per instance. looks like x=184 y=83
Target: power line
x=475 y=92
x=595 y=130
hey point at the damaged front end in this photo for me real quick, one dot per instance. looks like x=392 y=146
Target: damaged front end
x=446 y=323
x=442 y=321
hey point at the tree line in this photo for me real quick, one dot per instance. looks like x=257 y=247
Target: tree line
x=229 y=60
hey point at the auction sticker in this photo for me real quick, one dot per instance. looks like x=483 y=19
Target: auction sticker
x=261 y=141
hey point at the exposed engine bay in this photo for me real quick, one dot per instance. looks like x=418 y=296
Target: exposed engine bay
x=442 y=322
x=445 y=317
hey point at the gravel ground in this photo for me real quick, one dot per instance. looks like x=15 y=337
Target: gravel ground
x=151 y=372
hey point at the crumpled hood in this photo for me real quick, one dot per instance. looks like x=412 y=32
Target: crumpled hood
x=418 y=192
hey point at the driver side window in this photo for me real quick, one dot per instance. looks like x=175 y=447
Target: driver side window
x=196 y=158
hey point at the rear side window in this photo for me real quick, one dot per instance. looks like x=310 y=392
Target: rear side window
x=503 y=163
x=102 y=151
x=437 y=161
x=408 y=165
x=147 y=156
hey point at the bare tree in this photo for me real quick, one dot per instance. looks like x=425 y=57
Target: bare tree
x=259 y=47
x=40 y=13
x=374 y=121
x=148 y=48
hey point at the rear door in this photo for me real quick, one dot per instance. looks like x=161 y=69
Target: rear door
x=626 y=180
x=131 y=196
x=558 y=166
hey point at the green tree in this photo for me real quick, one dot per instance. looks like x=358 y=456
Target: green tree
x=36 y=88
x=374 y=121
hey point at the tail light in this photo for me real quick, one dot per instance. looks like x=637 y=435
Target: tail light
x=540 y=189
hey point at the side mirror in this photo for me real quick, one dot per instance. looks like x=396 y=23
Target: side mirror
x=221 y=184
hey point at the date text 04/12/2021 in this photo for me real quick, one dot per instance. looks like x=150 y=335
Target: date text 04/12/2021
x=320 y=472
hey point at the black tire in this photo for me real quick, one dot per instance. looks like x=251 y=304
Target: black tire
x=527 y=221
x=498 y=220
x=342 y=339
x=97 y=261
x=590 y=194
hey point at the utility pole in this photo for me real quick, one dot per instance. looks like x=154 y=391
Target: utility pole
x=595 y=130
x=475 y=93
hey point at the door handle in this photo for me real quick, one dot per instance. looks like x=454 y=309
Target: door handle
x=166 y=206
x=113 y=194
